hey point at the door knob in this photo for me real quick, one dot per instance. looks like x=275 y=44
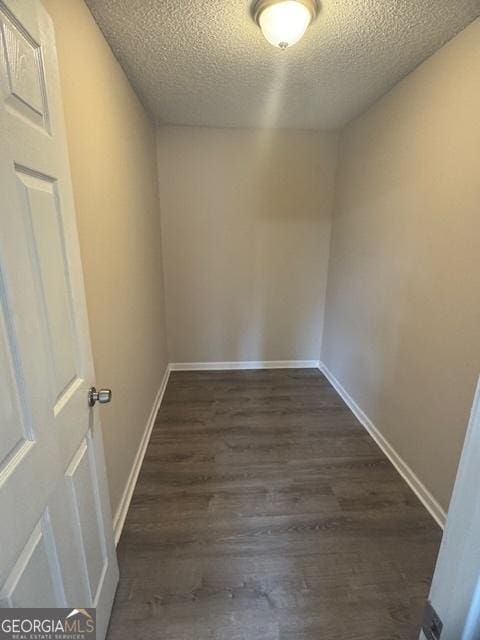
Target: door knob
x=103 y=396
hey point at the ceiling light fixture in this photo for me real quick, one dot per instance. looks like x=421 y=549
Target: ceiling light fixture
x=284 y=22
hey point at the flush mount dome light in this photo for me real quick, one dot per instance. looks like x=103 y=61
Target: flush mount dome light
x=283 y=22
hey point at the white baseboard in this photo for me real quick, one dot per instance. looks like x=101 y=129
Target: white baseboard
x=254 y=364
x=121 y=514
x=428 y=501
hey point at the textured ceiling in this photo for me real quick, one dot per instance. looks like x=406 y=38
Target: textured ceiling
x=205 y=62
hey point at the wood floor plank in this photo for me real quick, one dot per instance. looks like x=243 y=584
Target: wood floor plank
x=264 y=511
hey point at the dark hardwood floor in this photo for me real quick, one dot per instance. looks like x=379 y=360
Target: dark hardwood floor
x=264 y=511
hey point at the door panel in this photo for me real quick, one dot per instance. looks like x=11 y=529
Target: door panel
x=39 y=196
x=36 y=562
x=15 y=432
x=87 y=512
x=56 y=529
x=23 y=73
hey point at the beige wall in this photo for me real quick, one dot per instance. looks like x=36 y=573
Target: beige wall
x=112 y=154
x=402 y=331
x=246 y=226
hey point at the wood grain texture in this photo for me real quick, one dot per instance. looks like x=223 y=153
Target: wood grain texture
x=264 y=511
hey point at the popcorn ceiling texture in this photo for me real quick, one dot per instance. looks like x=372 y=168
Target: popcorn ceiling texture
x=206 y=63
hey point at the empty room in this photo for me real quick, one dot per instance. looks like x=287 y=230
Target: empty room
x=240 y=319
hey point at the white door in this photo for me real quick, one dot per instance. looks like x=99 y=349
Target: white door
x=56 y=538
x=455 y=592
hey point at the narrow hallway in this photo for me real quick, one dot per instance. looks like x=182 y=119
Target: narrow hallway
x=264 y=511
